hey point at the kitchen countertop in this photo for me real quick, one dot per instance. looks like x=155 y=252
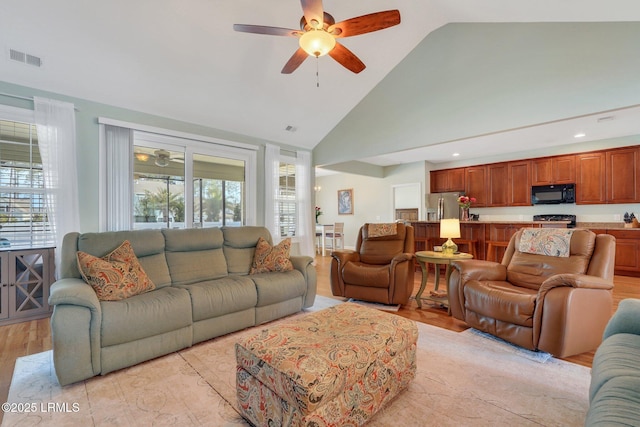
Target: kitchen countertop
x=500 y=222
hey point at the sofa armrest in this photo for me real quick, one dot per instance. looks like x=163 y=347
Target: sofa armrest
x=75 y=330
x=626 y=319
x=74 y=291
x=304 y=264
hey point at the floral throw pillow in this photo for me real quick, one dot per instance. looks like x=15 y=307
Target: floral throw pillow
x=269 y=258
x=115 y=276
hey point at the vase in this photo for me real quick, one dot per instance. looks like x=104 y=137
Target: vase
x=464 y=216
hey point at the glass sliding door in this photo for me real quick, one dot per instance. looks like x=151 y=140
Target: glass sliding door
x=218 y=191
x=158 y=188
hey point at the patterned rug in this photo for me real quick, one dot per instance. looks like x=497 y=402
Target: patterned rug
x=462 y=380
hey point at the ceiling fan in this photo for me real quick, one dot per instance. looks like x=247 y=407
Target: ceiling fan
x=319 y=31
x=161 y=157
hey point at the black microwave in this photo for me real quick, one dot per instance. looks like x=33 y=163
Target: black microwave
x=553 y=194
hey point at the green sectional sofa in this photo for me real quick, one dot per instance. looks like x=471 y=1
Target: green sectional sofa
x=614 y=394
x=203 y=290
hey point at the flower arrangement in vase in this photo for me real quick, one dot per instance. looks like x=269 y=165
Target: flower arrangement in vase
x=465 y=203
x=318 y=212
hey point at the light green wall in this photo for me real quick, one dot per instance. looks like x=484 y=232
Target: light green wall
x=465 y=80
x=87 y=139
x=372 y=196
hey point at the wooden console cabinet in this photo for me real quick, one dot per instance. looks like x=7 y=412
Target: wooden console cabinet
x=25 y=278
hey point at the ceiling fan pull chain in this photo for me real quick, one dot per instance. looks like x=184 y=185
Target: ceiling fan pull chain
x=317 y=72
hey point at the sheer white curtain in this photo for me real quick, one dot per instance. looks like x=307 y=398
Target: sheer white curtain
x=306 y=224
x=56 y=128
x=271 y=173
x=119 y=182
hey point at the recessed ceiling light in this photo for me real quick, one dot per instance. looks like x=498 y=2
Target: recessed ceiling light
x=456 y=154
x=580 y=135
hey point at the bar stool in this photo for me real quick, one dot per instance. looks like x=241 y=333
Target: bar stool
x=492 y=249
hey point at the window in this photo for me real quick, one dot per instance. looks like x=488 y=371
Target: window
x=286 y=200
x=23 y=215
x=157 y=178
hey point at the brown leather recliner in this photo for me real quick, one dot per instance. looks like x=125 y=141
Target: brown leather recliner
x=380 y=269
x=559 y=305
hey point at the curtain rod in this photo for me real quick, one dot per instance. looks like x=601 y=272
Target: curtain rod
x=26 y=98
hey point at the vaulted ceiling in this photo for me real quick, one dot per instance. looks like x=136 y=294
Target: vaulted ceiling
x=182 y=59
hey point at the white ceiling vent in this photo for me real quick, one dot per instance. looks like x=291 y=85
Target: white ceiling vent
x=25 y=58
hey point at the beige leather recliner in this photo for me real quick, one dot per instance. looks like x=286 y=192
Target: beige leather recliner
x=559 y=305
x=381 y=268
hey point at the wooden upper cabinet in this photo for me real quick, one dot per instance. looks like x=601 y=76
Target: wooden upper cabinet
x=590 y=182
x=439 y=181
x=519 y=183
x=622 y=173
x=553 y=170
x=476 y=184
x=497 y=183
x=447 y=180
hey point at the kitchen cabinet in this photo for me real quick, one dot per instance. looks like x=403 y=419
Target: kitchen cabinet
x=622 y=175
x=25 y=278
x=447 y=180
x=497 y=184
x=553 y=170
x=590 y=178
x=627 y=261
x=476 y=184
x=519 y=183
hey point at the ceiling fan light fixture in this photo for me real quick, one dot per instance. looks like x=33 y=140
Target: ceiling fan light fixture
x=317 y=42
x=142 y=157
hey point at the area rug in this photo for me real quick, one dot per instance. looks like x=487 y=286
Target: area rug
x=377 y=306
x=536 y=356
x=462 y=380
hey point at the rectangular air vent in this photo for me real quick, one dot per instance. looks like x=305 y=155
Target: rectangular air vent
x=25 y=58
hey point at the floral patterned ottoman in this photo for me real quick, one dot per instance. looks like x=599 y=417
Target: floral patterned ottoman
x=335 y=367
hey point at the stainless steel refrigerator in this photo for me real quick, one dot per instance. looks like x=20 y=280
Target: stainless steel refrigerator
x=442 y=205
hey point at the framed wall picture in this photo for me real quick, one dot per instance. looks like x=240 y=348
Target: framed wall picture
x=345 y=202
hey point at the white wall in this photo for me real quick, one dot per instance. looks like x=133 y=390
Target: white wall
x=372 y=197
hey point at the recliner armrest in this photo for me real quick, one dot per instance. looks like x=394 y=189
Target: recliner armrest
x=576 y=281
x=345 y=255
x=475 y=269
x=402 y=257
x=626 y=320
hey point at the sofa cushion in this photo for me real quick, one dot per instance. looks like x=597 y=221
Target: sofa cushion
x=279 y=286
x=240 y=245
x=501 y=301
x=268 y=258
x=194 y=255
x=530 y=270
x=116 y=276
x=145 y=315
x=148 y=245
x=213 y=298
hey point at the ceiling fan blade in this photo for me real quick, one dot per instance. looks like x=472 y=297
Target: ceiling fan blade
x=313 y=11
x=270 y=31
x=294 y=62
x=366 y=23
x=345 y=57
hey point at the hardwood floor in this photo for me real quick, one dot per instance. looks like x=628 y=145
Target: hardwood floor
x=22 y=339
